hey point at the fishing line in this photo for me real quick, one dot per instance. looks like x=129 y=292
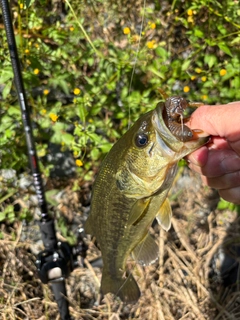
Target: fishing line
x=136 y=59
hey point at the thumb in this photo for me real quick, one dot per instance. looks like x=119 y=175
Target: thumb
x=218 y=120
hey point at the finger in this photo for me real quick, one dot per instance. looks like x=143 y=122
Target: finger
x=219 y=162
x=198 y=157
x=219 y=120
x=235 y=145
x=218 y=143
x=231 y=195
x=227 y=181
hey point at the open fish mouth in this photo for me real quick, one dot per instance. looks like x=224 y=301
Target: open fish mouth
x=199 y=137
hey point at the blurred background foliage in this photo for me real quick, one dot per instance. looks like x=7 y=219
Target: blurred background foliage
x=91 y=68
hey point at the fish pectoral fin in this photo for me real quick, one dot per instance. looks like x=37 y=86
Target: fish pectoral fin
x=125 y=288
x=137 y=211
x=146 y=252
x=164 y=215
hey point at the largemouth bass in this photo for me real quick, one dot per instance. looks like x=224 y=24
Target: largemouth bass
x=129 y=192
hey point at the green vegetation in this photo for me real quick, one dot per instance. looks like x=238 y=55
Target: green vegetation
x=92 y=67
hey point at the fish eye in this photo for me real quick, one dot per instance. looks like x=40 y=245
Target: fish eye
x=141 y=140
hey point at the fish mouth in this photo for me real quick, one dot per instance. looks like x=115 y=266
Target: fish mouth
x=199 y=137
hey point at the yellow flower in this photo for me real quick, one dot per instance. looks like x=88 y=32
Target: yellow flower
x=204 y=79
x=46 y=92
x=53 y=117
x=153 y=25
x=76 y=91
x=151 y=44
x=162 y=43
x=21 y=5
x=135 y=38
x=75 y=153
x=43 y=111
x=193 y=78
x=36 y=71
x=126 y=30
x=27 y=51
x=198 y=70
x=186 y=89
x=222 y=72
x=36 y=45
x=190 y=12
x=204 y=97
x=190 y=19
x=79 y=163
x=71 y=28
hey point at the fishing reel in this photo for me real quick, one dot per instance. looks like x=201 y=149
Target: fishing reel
x=56 y=263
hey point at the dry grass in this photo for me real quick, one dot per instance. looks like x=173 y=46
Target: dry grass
x=184 y=284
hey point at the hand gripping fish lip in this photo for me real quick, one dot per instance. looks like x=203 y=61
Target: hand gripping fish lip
x=199 y=137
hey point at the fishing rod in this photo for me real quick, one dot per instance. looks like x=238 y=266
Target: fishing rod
x=58 y=260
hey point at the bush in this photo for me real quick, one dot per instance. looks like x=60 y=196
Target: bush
x=91 y=68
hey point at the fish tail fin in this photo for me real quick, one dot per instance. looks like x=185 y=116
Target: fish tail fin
x=126 y=289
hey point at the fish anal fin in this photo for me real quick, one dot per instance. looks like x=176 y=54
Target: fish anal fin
x=164 y=215
x=146 y=252
x=137 y=211
x=125 y=288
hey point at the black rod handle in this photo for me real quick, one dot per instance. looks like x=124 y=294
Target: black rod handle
x=60 y=294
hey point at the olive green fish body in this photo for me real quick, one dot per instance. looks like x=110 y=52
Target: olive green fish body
x=129 y=192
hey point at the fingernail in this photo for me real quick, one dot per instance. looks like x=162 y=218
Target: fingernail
x=194 y=160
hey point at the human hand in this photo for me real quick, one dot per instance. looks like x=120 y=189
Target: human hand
x=218 y=162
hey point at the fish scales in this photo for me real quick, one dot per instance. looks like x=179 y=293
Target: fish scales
x=129 y=192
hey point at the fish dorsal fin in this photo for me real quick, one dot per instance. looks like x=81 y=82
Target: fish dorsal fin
x=164 y=215
x=137 y=211
x=146 y=252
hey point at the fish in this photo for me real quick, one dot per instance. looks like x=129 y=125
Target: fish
x=129 y=192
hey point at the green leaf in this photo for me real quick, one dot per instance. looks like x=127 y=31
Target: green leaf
x=236 y=40
x=2 y=215
x=161 y=52
x=156 y=72
x=6 y=74
x=13 y=110
x=105 y=147
x=29 y=3
x=222 y=30
x=51 y=196
x=82 y=112
x=94 y=154
x=198 y=33
x=224 y=48
x=67 y=138
x=6 y=89
x=210 y=60
x=186 y=64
